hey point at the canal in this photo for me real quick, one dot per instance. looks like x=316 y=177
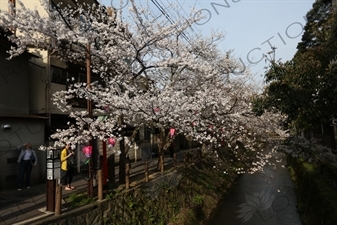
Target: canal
x=265 y=198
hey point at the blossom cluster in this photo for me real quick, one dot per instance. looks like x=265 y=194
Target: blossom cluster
x=307 y=149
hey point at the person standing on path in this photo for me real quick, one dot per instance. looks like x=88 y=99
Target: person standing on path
x=27 y=160
x=67 y=167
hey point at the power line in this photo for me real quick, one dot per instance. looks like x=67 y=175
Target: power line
x=162 y=10
x=187 y=14
x=196 y=2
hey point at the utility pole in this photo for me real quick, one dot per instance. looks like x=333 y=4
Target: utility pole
x=11 y=10
x=89 y=108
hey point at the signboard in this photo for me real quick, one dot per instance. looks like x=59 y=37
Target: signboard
x=53 y=164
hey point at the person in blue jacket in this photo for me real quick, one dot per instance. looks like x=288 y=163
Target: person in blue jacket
x=27 y=160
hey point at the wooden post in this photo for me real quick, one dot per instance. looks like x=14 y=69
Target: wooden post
x=51 y=195
x=185 y=159
x=127 y=175
x=58 y=204
x=100 y=185
x=146 y=170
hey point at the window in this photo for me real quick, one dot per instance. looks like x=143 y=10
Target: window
x=58 y=75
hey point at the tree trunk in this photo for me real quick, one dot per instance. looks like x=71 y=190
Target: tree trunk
x=146 y=170
x=175 y=160
x=199 y=153
x=162 y=147
x=100 y=185
x=204 y=148
x=160 y=154
x=162 y=163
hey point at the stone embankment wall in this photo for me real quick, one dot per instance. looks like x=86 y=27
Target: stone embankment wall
x=186 y=196
x=316 y=190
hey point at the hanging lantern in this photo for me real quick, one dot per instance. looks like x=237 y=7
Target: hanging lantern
x=172 y=131
x=111 y=142
x=87 y=150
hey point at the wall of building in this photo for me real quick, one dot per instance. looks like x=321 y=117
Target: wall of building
x=22 y=130
x=38 y=81
x=13 y=84
x=4 y=5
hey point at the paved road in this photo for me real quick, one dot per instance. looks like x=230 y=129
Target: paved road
x=266 y=198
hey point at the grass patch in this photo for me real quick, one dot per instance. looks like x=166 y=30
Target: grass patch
x=316 y=191
x=198 y=200
x=78 y=199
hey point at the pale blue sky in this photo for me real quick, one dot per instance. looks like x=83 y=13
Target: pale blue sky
x=248 y=24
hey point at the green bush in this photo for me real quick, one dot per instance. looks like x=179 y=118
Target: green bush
x=78 y=199
x=316 y=191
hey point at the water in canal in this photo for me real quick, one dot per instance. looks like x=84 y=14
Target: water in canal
x=266 y=198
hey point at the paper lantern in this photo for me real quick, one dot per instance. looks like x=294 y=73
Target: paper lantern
x=172 y=131
x=87 y=150
x=111 y=142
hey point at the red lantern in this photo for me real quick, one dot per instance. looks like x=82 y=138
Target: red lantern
x=87 y=150
x=172 y=131
x=112 y=142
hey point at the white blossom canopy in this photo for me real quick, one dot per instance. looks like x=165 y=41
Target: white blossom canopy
x=151 y=74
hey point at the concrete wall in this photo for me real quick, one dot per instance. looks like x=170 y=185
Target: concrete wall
x=13 y=84
x=38 y=79
x=23 y=130
x=4 y=5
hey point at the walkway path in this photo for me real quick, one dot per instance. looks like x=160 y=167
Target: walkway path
x=29 y=205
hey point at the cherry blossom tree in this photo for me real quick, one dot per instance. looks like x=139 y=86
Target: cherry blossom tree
x=152 y=75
